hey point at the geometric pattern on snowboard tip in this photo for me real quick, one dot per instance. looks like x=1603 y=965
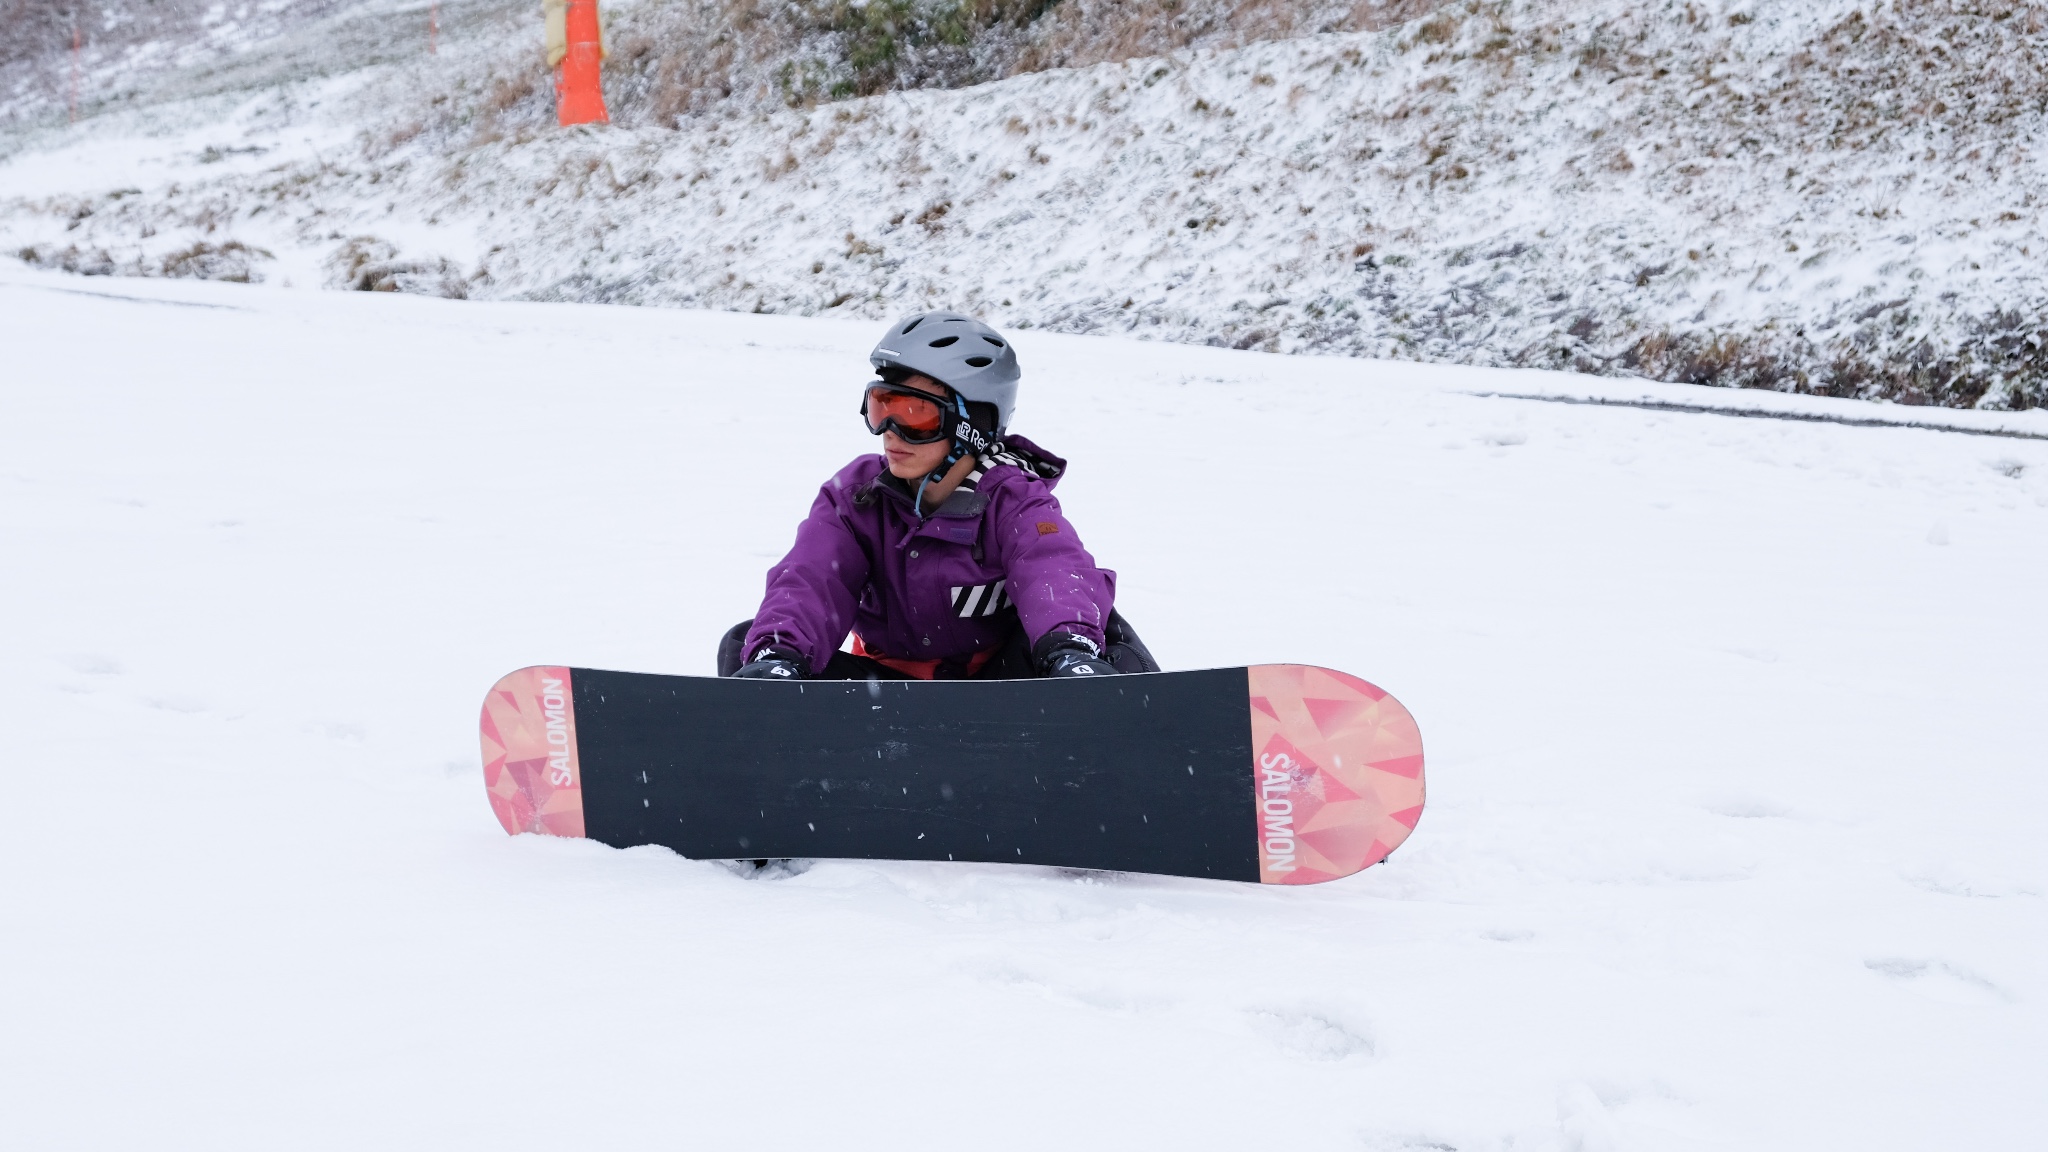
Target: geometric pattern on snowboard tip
x=529 y=746
x=1339 y=768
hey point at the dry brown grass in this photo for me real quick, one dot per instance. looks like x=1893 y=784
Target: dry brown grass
x=1078 y=33
x=671 y=61
x=229 y=260
x=2005 y=353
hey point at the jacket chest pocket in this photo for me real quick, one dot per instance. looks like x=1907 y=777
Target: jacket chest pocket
x=967 y=532
x=987 y=599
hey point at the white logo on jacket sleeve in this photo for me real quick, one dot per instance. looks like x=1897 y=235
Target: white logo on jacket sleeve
x=980 y=599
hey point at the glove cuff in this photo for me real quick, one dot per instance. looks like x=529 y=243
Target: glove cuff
x=773 y=651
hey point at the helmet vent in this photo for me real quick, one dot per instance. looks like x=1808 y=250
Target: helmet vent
x=945 y=341
x=993 y=340
x=912 y=324
x=979 y=361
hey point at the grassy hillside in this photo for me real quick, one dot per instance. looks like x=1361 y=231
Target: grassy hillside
x=1832 y=196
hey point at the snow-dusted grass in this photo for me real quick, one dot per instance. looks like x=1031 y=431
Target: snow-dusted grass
x=1840 y=197
x=673 y=59
x=130 y=52
x=1735 y=732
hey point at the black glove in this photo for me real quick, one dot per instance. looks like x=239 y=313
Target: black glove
x=772 y=663
x=1065 y=654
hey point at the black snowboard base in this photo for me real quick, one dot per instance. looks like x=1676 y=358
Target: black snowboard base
x=1145 y=773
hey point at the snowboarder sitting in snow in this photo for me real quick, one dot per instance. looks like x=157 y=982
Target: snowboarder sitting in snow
x=945 y=556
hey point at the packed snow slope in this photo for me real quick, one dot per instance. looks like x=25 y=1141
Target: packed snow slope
x=1735 y=736
x=1833 y=196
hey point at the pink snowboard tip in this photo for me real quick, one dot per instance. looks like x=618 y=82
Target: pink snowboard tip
x=531 y=773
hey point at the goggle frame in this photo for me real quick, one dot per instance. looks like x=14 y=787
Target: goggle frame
x=949 y=418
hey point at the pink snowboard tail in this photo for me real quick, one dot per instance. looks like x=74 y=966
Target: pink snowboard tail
x=1339 y=770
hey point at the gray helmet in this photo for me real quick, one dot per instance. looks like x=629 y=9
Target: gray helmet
x=958 y=351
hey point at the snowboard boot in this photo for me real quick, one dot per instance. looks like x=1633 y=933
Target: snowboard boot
x=1122 y=648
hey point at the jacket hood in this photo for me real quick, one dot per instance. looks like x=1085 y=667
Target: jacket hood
x=1018 y=452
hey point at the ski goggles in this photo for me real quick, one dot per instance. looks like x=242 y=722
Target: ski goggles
x=917 y=417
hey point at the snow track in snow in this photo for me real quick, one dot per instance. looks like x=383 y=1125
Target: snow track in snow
x=1735 y=408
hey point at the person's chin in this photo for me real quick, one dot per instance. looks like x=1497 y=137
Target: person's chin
x=903 y=469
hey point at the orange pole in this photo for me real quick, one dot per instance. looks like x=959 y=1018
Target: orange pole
x=579 y=86
x=434 y=28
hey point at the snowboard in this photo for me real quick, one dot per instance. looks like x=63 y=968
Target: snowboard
x=1276 y=773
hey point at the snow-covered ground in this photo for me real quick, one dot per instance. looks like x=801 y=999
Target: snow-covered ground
x=1840 y=196
x=1736 y=755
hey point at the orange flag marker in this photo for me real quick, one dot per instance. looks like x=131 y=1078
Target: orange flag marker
x=578 y=86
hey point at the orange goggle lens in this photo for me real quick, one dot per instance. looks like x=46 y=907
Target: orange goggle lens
x=915 y=414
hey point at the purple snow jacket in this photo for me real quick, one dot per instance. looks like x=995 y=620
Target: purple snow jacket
x=944 y=588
